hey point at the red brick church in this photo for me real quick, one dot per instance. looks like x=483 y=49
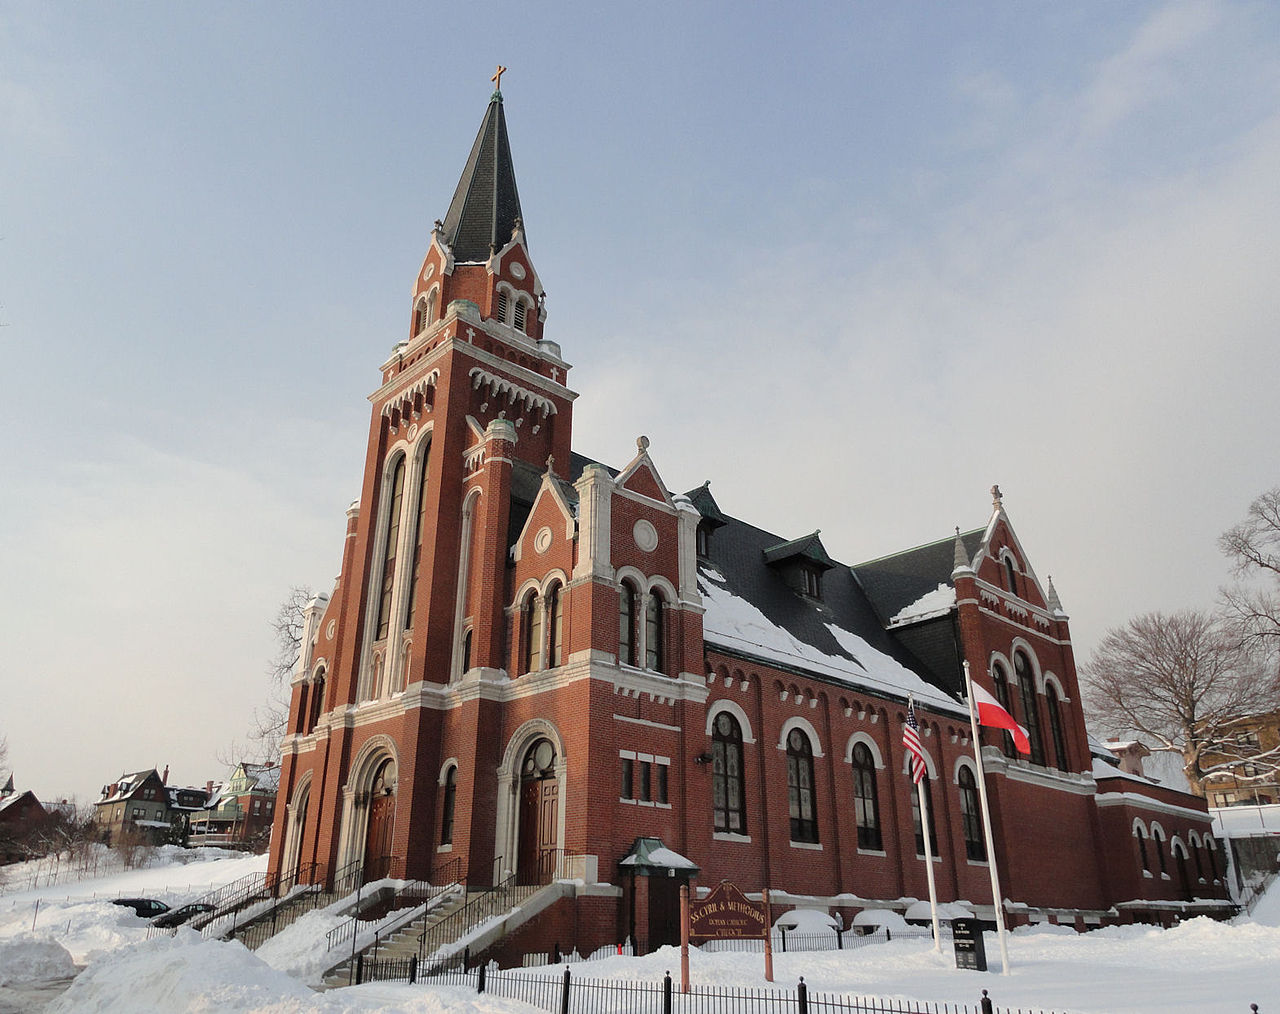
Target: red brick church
x=532 y=660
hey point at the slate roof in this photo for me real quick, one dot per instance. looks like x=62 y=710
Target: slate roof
x=896 y=581
x=485 y=205
x=737 y=551
x=127 y=784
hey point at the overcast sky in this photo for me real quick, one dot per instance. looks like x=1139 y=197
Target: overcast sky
x=854 y=263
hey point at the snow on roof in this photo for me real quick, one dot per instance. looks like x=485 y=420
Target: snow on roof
x=736 y=623
x=661 y=856
x=10 y=800
x=266 y=776
x=1101 y=769
x=930 y=604
x=1246 y=821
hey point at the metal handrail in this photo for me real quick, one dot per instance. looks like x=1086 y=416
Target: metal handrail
x=483 y=906
x=445 y=876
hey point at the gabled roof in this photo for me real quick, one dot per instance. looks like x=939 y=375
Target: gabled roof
x=706 y=505
x=126 y=785
x=896 y=581
x=486 y=205
x=808 y=547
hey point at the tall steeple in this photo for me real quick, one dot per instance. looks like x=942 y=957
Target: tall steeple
x=486 y=205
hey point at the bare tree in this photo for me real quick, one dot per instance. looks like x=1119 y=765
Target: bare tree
x=270 y=719
x=1181 y=680
x=1253 y=546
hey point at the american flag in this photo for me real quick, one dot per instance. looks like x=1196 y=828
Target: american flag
x=911 y=740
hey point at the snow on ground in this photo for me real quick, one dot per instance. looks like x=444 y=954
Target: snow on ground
x=1198 y=966
x=29 y=958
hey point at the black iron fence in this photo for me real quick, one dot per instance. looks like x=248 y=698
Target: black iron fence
x=566 y=993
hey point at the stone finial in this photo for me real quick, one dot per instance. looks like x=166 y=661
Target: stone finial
x=642 y=444
x=517 y=227
x=551 y=461
x=961 y=558
x=439 y=226
x=1055 y=603
x=997 y=498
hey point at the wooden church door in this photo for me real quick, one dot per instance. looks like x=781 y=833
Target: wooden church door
x=539 y=814
x=382 y=823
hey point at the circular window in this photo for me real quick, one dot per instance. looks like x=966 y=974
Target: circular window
x=517 y=270
x=328 y=631
x=542 y=541
x=646 y=536
x=724 y=724
x=431 y=270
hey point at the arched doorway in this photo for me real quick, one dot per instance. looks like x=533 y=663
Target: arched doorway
x=382 y=822
x=299 y=823
x=539 y=816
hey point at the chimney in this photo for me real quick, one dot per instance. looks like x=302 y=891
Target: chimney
x=208 y=789
x=164 y=778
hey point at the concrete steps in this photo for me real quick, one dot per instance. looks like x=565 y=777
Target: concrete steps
x=401 y=944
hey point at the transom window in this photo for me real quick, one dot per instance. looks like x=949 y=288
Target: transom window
x=804 y=817
x=866 y=803
x=726 y=775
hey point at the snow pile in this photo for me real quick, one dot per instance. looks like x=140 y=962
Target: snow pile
x=736 y=623
x=86 y=929
x=930 y=604
x=29 y=958
x=299 y=949
x=808 y=920
x=183 y=973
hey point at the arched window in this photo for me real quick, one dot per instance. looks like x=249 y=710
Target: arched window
x=970 y=817
x=502 y=307
x=1142 y=849
x=627 y=623
x=866 y=803
x=917 y=823
x=316 y=703
x=466 y=650
x=1157 y=841
x=1212 y=854
x=531 y=621
x=727 y=796
x=1195 y=854
x=653 y=632
x=555 y=614
x=1030 y=713
x=1011 y=574
x=419 y=524
x=804 y=816
x=1001 y=680
x=423 y=317
x=447 y=806
x=517 y=316
x=389 y=556
x=1055 y=727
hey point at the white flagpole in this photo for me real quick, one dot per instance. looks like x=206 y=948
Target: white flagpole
x=928 y=864
x=928 y=851
x=986 y=824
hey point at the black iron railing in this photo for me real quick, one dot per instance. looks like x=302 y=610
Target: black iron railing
x=568 y=992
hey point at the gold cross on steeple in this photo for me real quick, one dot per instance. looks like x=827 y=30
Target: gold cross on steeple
x=497 y=78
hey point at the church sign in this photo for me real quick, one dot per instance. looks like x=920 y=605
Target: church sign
x=726 y=914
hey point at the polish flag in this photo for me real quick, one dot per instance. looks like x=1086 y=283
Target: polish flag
x=991 y=712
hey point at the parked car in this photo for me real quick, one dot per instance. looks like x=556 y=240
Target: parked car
x=145 y=907
x=177 y=916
